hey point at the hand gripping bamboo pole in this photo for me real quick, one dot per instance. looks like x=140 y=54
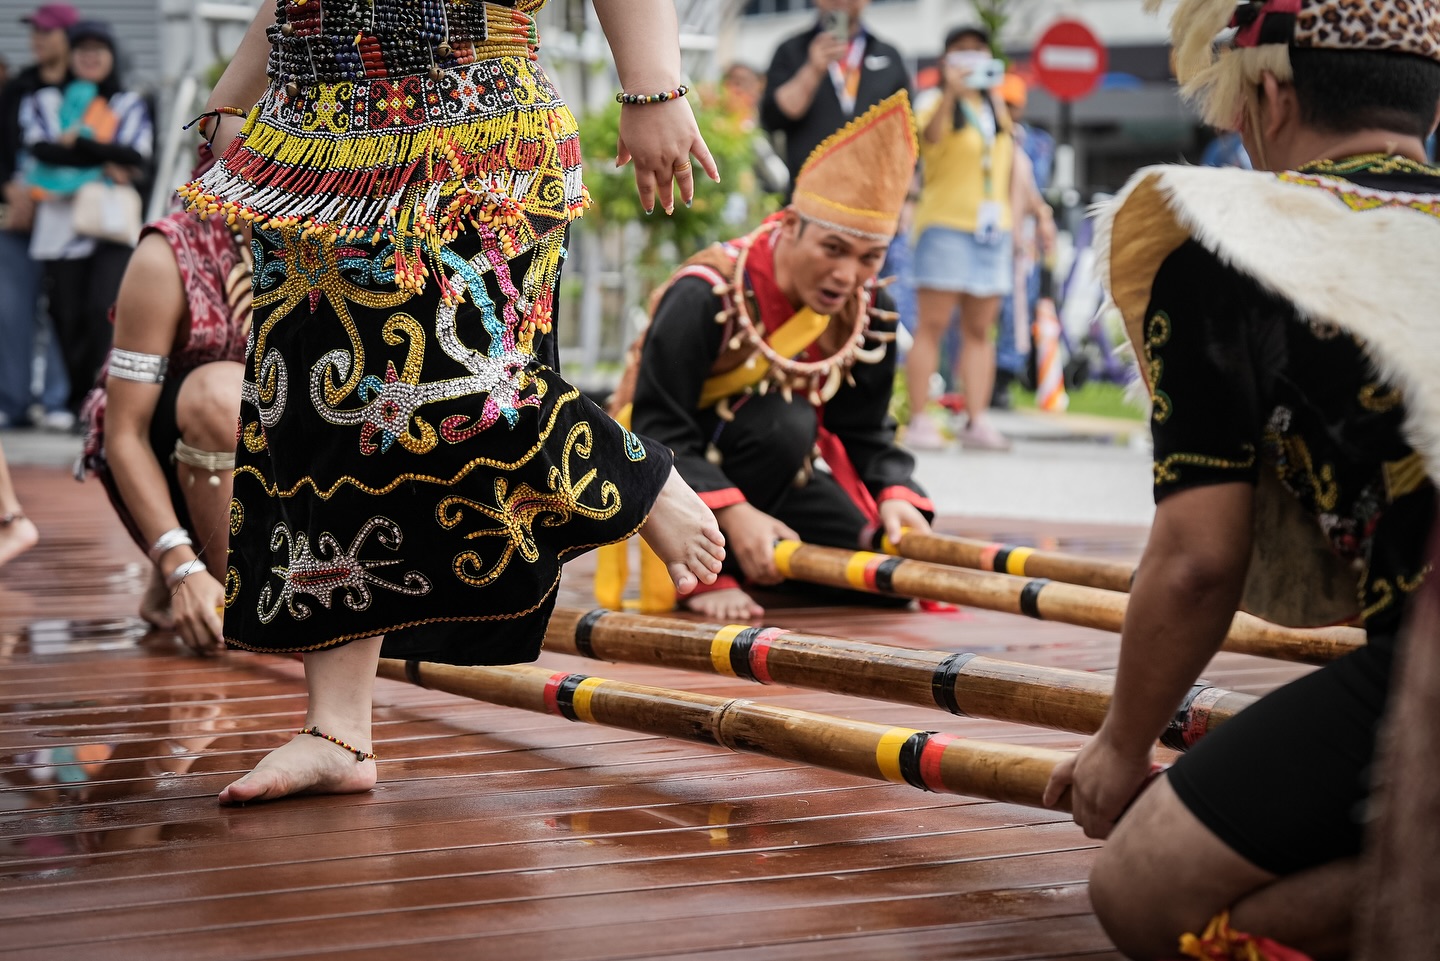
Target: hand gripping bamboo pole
x=978 y=555
x=931 y=761
x=1038 y=598
x=968 y=685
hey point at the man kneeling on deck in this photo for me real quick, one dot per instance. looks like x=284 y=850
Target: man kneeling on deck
x=769 y=364
x=1281 y=317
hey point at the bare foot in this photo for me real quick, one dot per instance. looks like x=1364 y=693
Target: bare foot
x=731 y=604
x=307 y=765
x=683 y=532
x=155 y=604
x=16 y=538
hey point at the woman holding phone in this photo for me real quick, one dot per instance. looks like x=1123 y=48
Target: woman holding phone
x=963 y=229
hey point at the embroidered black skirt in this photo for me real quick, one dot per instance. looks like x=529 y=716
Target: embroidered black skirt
x=414 y=465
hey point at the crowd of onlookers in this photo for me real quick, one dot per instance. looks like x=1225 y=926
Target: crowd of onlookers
x=75 y=148
x=977 y=221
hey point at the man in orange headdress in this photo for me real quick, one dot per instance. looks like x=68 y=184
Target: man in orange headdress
x=769 y=364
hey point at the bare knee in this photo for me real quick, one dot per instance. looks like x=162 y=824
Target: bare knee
x=208 y=406
x=1134 y=917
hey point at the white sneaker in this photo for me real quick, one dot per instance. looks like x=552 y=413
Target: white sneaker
x=923 y=433
x=59 y=421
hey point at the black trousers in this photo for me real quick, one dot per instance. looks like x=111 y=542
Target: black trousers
x=763 y=451
x=80 y=294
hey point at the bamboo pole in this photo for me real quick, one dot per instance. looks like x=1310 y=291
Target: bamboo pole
x=1038 y=598
x=931 y=761
x=968 y=685
x=999 y=558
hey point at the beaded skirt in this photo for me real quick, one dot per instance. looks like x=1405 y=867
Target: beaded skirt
x=411 y=464
x=411 y=121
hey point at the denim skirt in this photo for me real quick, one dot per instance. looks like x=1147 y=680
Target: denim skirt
x=955 y=261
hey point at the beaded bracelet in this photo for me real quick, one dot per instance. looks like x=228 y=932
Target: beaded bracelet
x=359 y=754
x=205 y=130
x=644 y=98
x=168 y=541
x=177 y=577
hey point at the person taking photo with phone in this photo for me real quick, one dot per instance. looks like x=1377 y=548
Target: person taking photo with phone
x=964 y=221
x=821 y=79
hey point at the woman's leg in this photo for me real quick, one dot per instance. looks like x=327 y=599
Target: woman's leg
x=934 y=310
x=205 y=412
x=17 y=532
x=340 y=682
x=977 y=353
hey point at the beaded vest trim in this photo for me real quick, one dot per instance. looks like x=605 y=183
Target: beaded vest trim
x=444 y=123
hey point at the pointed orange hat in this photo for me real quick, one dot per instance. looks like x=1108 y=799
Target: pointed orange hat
x=857 y=180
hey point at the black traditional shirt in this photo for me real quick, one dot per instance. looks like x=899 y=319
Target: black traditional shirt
x=1240 y=381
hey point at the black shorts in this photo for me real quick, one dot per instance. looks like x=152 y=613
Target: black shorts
x=1286 y=783
x=164 y=432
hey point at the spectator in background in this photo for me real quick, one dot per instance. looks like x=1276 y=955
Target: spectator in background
x=1035 y=233
x=964 y=224
x=89 y=131
x=821 y=79
x=20 y=318
x=742 y=86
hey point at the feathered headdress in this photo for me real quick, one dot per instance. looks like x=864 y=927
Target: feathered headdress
x=857 y=180
x=1218 y=80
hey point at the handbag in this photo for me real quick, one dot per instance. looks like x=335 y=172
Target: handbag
x=108 y=211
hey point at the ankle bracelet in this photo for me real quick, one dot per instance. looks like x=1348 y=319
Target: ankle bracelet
x=7 y=519
x=359 y=754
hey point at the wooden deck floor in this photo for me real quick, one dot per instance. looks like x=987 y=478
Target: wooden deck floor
x=494 y=834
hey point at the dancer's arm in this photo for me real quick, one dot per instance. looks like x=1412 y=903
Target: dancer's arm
x=149 y=310
x=644 y=38
x=244 y=81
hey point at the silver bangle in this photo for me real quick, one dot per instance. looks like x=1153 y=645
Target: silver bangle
x=168 y=541
x=144 y=368
x=177 y=577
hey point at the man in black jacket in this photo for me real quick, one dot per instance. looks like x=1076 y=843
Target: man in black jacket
x=20 y=278
x=821 y=79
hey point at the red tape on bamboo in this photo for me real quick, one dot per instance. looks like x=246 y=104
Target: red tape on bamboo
x=997 y=558
x=968 y=685
x=1039 y=598
x=928 y=760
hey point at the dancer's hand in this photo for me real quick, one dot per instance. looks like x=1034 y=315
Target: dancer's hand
x=751 y=534
x=198 y=605
x=897 y=515
x=661 y=138
x=1103 y=779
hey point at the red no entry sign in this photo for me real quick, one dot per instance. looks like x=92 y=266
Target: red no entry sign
x=1069 y=60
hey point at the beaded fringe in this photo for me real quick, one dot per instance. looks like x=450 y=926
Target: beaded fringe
x=514 y=176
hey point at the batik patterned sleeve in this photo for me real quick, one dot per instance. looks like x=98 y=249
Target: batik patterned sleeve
x=1199 y=360
x=680 y=348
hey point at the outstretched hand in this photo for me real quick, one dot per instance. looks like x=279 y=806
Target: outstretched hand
x=661 y=138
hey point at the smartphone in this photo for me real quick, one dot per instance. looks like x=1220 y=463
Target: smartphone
x=837 y=24
x=985 y=73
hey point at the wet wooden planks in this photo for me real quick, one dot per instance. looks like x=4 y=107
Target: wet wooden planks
x=494 y=833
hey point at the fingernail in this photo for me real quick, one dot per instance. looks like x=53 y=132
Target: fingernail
x=690 y=202
x=670 y=211
x=649 y=211
x=617 y=163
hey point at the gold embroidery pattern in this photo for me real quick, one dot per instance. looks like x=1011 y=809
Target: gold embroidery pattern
x=1379 y=163
x=273 y=490
x=1379 y=399
x=1157 y=335
x=1166 y=472
x=1404 y=476
x=517 y=513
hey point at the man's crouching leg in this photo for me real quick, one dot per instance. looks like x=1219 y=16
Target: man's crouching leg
x=1164 y=874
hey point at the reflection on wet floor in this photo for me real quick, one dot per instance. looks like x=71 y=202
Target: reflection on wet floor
x=493 y=831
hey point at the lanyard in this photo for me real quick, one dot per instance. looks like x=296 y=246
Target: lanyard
x=841 y=77
x=988 y=133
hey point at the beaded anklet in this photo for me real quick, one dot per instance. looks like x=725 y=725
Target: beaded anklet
x=7 y=519
x=644 y=98
x=359 y=754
